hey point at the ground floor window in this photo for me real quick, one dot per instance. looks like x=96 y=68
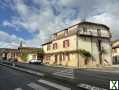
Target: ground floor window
x=47 y=57
x=116 y=60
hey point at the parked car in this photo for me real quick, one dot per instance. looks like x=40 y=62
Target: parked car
x=34 y=61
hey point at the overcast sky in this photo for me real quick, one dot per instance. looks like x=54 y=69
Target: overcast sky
x=33 y=21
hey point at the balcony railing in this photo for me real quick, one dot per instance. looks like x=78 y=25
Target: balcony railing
x=95 y=34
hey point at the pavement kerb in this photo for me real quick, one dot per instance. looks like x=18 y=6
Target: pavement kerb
x=46 y=75
x=25 y=70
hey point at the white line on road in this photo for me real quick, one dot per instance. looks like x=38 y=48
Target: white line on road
x=54 y=85
x=89 y=87
x=18 y=89
x=36 y=86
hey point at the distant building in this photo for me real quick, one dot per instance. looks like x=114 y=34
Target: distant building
x=115 y=51
x=82 y=45
x=22 y=54
x=8 y=53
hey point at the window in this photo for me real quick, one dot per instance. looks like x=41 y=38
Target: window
x=99 y=32
x=84 y=29
x=48 y=47
x=48 y=57
x=66 y=32
x=66 y=56
x=55 y=46
x=65 y=43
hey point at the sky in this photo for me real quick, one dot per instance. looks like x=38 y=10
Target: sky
x=34 y=21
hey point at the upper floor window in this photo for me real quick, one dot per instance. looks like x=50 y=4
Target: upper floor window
x=48 y=47
x=99 y=32
x=84 y=29
x=66 y=32
x=66 y=43
x=55 y=46
x=55 y=36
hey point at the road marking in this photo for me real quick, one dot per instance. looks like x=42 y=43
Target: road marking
x=54 y=85
x=68 y=73
x=36 y=86
x=18 y=89
x=89 y=87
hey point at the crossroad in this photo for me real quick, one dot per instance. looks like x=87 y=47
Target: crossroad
x=69 y=73
x=38 y=86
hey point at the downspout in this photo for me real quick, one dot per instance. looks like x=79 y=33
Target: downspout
x=77 y=48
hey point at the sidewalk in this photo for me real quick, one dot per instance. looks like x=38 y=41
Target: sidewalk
x=111 y=69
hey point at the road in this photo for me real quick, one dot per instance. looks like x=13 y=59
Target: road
x=16 y=80
x=90 y=77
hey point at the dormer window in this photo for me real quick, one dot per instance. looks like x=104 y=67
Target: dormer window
x=66 y=32
x=55 y=35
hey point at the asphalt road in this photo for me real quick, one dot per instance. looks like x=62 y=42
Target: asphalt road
x=16 y=80
x=93 y=78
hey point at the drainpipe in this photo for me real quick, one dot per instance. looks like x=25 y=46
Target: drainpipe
x=77 y=48
x=91 y=47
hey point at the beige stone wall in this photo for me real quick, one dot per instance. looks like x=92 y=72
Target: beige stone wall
x=84 y=42
x=116 y=53
x=72 y=62
x=72 y=46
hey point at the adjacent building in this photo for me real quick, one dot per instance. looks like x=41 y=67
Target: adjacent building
x=21 y=54
x=115 y=51
x=8 y=53
x=82 y=45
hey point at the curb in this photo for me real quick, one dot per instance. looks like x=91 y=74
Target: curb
x=52 y=76
x=25 y=70
x=46 y=75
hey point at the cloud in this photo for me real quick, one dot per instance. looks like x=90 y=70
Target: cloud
x=45 y=17
x=8 y=24
x=7 y=40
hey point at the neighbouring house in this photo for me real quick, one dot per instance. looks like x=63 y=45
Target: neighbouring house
x=21 y=54
x=8 y=53
x=115 y=52
x=82 y=45
x=28 y=53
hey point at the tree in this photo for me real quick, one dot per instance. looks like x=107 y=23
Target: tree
x=86 y=55
x=40 y=50
x=24 y=57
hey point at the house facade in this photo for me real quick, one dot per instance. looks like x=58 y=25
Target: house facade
x=21 y=54
x=115 y=52
x=8 y=53
x=82 y=45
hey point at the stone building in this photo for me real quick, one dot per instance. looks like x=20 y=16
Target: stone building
x=21 y=54
x=82 y=45
x=115 y=52
x=8 y=53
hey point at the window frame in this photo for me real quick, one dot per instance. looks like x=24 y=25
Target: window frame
x=66 y=43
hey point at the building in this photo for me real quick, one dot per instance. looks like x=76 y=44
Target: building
x=29 y=53
x=82 y=45
x=21 y=54
x=115 y=51
x=8 y=53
